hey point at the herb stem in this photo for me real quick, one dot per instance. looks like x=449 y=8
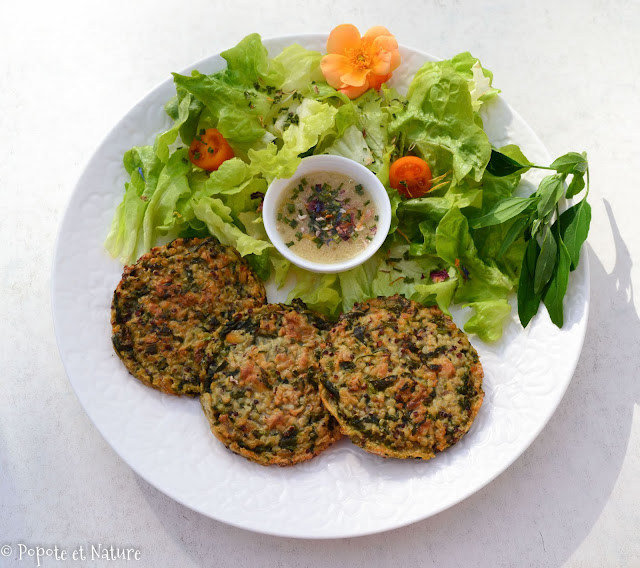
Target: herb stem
x=541 y=167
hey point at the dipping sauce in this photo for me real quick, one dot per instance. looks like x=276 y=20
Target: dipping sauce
x=326 y=217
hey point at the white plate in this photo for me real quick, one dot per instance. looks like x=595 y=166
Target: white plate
x=344 y=492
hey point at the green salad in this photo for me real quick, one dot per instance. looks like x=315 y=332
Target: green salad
x=467 y=241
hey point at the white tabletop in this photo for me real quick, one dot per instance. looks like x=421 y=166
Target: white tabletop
x=70 y=70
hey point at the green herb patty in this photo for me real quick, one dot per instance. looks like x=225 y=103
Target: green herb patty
x=260 y=393
x=169 y=302
x=401 y=379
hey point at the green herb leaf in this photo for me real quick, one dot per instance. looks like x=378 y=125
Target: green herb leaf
x=554 y=295
x=550 y=191
x=571 y=163
x=546 y=262
x=513 y=233
x=501 y=165
x=535 y=228
x=576 y=185
x=503 y=211
x=528 y=300
x=574 y=224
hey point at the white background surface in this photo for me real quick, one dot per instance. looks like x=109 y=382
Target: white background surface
x=69 y=71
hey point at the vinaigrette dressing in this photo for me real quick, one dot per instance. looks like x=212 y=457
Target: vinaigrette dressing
x=326 y=217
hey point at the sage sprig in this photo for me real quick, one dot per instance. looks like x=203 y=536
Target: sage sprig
x=554 y=238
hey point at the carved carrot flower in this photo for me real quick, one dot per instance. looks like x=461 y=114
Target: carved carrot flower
x=354 y=64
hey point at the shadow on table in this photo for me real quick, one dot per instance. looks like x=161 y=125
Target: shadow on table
x=536 y=513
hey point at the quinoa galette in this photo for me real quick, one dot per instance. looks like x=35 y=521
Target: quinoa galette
x=260 y=393
x=401 y=379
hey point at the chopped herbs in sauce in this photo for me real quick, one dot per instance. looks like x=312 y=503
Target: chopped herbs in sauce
x=326 y=217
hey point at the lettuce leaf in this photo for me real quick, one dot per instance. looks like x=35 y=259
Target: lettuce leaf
x=189 y=124
x=124 y=240
x=355 y=284
x=237 y=97
x=361 y=131
x=352 y=145
x=164 y=140
x=435 y=208
x=440 y=111
x=217 y=217
x=280 y=267
x=300 y=68
x=249 y=62
x=442 y=292
x=318 y=291
x=346 y=116
x=488 y=319
x=479 y=79
x=398 y=273
x=235 y=183
x=159 y=216
x=478 y=280
x=375 y=115
x=489 y=240
x=236 y=120
x=313 y=119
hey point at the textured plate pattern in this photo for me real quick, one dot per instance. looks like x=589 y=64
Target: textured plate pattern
x=345 y=491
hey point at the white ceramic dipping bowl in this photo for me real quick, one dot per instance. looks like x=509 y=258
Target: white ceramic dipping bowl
x=340 y=165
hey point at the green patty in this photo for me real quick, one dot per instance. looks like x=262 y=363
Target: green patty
x=401 y=379
x=260 y=394
x=167 y=305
